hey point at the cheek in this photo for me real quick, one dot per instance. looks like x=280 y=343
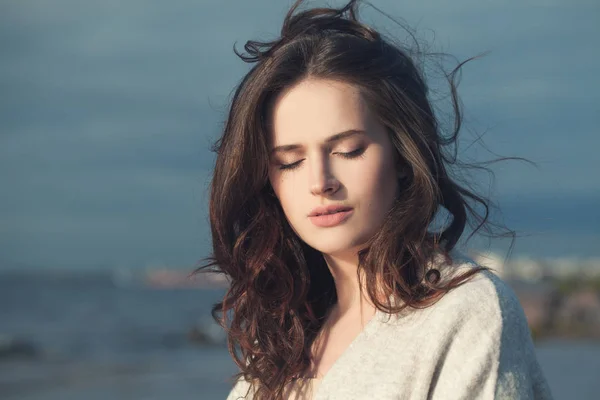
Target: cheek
x=284 y=189
x=378 y=184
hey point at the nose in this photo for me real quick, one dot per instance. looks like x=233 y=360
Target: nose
x=322 y=182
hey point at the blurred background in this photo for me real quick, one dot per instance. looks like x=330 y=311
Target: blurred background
x=108 y=110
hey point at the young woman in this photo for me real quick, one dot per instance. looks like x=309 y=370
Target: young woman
x=329 y=173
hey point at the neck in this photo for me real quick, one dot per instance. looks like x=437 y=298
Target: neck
x=350 y=295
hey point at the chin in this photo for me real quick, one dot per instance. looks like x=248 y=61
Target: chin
x=328 y=245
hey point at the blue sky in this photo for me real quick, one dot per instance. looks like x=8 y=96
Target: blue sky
x=109 y=108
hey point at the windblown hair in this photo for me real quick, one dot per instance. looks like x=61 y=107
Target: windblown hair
x=280 y=288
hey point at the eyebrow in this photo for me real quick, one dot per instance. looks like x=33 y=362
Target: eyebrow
x=334 y=138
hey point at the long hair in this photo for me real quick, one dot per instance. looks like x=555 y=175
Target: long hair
x=280 y=288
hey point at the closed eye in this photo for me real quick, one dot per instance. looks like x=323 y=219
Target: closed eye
x=349 y=155
x=290 y=166
x=353 y=154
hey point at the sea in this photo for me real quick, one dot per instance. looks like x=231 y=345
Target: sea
x=91 y=336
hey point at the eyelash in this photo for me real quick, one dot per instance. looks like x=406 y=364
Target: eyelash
x=350 y=155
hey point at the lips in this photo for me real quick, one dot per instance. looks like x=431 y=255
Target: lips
x=327 y=210
x=325 y=217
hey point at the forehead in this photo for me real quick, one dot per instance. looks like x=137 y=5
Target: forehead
x=313 y=110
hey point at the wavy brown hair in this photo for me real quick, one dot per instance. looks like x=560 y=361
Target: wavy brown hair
x=280 y=288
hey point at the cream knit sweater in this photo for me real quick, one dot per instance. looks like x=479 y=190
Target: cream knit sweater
x=472 y=344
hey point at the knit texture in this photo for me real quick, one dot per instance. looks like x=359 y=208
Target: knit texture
x=472 y=344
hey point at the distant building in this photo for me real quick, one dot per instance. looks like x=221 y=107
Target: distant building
x=580 y=313
x=539 y=300
x=170 y=278
x=529 y=269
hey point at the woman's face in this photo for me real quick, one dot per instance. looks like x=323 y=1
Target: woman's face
x=328 y=150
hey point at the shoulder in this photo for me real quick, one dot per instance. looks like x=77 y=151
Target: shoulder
x=483 y=302
x=483 y=308
x=242 y=390
x=483 y=299
x=483 y=334
x=481 y=314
